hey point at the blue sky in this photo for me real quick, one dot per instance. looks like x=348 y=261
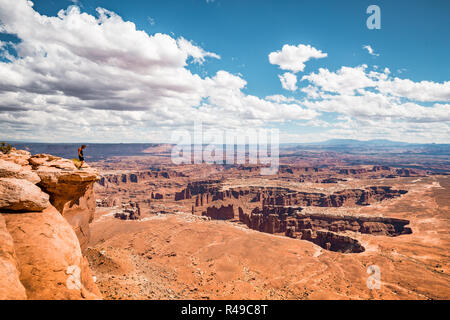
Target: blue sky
x=412 y=43
x=413 y=37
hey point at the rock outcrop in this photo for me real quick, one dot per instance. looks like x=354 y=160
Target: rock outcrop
x=221 y=213
x=46 y=204
x=130 y=211
x=197 y=188
x=278 y=219
x=107 y=180
x=346 y=197
x=50 y=261
x=328 y=240
x=20 y=157
x=71 y=191
x=321 y=229
x=209 y=191
x=21 y=195
x=10 y=285
x=10 y=169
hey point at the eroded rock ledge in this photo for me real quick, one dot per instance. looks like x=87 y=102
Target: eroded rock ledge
x=321 y=229
x=46 y=205
x=280 y=219
x=210 y=191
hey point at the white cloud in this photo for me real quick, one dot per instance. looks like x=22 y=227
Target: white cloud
x=293 y=58
x=280 y=98
x=97 y=78
x=370 y=50
x=361 y=94
x=345 y=80
x=312 y=92
x=288 y=81
x=78 y=76
x=197 y=53
x=420 y=91
x=351 y=80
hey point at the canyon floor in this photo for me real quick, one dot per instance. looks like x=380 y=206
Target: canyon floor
x=197 y=235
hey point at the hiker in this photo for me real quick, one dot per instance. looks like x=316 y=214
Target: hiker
x=81 y=155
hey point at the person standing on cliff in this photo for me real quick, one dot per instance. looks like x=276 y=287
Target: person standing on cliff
x=81 y=155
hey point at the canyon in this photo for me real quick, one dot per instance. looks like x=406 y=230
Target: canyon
x=140 y=227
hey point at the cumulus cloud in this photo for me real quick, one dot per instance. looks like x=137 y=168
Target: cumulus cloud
x=352 y=80
x=293 y=58
x=78 y=75
x=345 y=80
x=420 y=91
x=362 y=94
x=83 y=77
x=288 y=81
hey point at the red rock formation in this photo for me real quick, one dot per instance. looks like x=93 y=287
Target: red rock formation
x=222 y=213
x=10 y=285
x=107 y=180
x=157 y=196
x=40 y=253
x=337 y=199
x=328 y=240
x=21 y=195
x=352 y=171
x=405 y=172
x=197 y=188
x=296 y=170
x=49 y=256
x=71 y=191
x=110 y=202
x=332 y=180
x=320 y=228
x=130 y=211
x=9 y=169
x=203 y=193
x=183 y=195
x=273 y=219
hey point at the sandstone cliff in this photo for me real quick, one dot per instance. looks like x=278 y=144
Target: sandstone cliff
x=284 y=219
x=46 y=205
x=321 y=229
x=210 y=191
x=221 y=213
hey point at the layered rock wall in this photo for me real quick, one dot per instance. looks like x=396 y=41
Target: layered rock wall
x=107 y=180
x=205 y=193
x=321 y=229
x=221 y=213
x=280 y=219
x=46 y=204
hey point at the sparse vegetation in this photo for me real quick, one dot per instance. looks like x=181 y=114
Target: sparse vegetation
x=5 y=148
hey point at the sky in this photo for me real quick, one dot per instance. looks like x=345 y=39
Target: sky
x=136 y=71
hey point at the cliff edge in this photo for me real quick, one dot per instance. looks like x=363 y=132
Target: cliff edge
x=46 y=205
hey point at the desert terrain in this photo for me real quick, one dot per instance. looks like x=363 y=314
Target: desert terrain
x=315 y=230
x=329 y=224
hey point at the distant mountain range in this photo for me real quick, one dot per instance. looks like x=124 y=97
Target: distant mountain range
x=366 y=143
x=379 y=142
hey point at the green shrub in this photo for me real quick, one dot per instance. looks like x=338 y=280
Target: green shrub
x=5 y=148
